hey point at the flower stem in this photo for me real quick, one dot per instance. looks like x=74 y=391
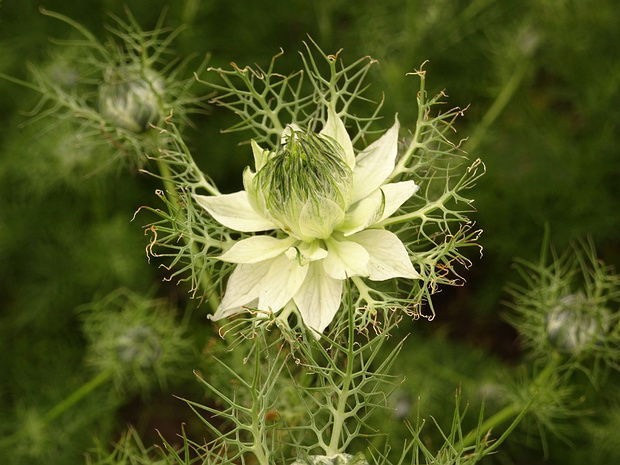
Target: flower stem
x=514 y=409
x=63 y=406
x=498 y=105
x=78 y=395
x=340 y=414
x=212 y=298
x=260 y=450
x=171 y=190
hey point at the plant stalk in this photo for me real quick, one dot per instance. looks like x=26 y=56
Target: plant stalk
x=82 y=392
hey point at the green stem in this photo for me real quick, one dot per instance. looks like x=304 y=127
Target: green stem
x=212 y=300
x=415 y=144
x=20 y=82
x=513 y=410
x=340 y=415
x=420 y=213
x=78 y=395
x=63 y=406
x=261 y=452
x=171 y=190
x=500 y=102
x=499 y=418
x=362 y=288
x=82 y=30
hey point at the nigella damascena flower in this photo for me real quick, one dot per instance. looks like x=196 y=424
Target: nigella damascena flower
x=130 y=97
x=323 y=204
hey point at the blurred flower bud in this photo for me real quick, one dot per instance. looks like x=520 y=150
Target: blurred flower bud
x=573 y=325
x=338 y=459
x=139 y=346
x=136 y=338
x=130 y=97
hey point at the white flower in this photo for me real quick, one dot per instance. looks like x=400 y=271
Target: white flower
x=322 y=202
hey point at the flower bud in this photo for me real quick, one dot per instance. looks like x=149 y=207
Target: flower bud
x=305 y=185
x=139 y=346
x=338 y=459
x=573 y=326
x=130 y=97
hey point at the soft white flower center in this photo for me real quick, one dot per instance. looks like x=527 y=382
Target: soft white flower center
x=306 y=185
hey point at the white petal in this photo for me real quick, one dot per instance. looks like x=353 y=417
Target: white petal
x=374 y=165
x=388 y=256
x=312 y=250
x=256 y=199
x=234 y=211
x=334 y=128
x=289 y=130
x=345 y=259
x=248 y=177
x=396 y=194
x=281 y=282
x=318 y=219
x=257 y=248
x=364 y=213
x=242 y=289
x=318 y=298
x=260 y=155
x=305 y=252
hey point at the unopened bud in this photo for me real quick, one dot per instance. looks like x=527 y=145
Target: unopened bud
x=573 y=325
x=139 y=346
x=130 y=97
x=306 y=178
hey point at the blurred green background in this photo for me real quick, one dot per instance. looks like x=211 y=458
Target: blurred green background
x=541 y=78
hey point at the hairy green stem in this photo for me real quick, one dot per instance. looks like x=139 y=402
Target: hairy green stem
x=420 y=213
x=259 y=448
x=420 y=121
x=514 y=409
x=171 y=190
x=212 y=298
x=498 y=105
x=62 y=406
x=340 y=414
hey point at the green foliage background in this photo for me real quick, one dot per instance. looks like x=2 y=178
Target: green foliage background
x=542 y=78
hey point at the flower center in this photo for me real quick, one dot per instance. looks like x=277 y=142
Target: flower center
x=306 y=174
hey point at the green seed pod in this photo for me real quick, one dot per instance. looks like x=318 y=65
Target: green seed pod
x=307 y=177
x=130 y=97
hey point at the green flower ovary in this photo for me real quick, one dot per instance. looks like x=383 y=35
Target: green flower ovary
x=130 y=97
x=307 y=168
